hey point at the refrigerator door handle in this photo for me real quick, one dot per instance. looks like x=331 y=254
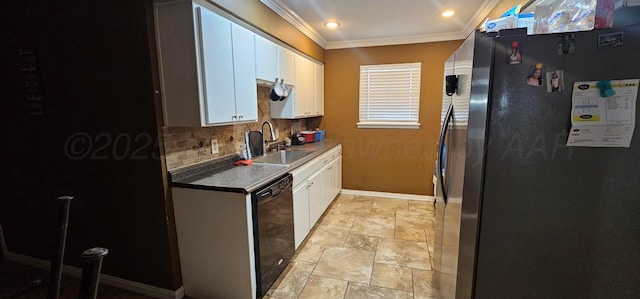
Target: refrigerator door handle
x=443 y=135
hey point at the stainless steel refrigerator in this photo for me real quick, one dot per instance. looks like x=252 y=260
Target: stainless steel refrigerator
x=518 y=213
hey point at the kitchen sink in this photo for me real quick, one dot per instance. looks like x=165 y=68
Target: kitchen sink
x=285 y=157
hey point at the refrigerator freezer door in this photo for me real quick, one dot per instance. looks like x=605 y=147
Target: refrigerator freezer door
x=438 y=170
x=448 y=212
x=481 y=60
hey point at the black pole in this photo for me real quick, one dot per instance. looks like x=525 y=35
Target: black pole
x=3 y=245
x=55 y=273
x=92 y=258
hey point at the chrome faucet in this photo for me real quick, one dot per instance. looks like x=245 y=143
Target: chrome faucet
x=272 y=136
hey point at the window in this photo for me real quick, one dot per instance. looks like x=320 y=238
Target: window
x=390 y=96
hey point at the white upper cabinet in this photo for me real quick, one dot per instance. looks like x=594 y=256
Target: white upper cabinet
x=206 y=66
x=213 y=43
x=319 y=89
x=286 y=66
x=274 y=61
x=266 y=59
x=209 y=66
x=305 y=74
x=244 y=73
x=307 y=98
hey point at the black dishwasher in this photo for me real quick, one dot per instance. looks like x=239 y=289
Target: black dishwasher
x=272 y=230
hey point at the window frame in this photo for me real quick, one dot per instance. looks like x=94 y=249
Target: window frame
x=409 y=118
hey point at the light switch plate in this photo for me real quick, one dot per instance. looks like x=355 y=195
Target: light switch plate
x=214 y=146
x=277 y=133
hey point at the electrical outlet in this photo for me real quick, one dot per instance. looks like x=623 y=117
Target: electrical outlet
x=277 y=133
x=214 y=146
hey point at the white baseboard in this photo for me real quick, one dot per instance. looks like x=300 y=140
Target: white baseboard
x=109 y=280
x=387 y=194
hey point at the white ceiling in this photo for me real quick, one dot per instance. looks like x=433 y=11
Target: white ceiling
x=382 y=22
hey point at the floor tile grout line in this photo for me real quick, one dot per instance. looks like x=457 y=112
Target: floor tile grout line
x=323 y=250
x=349 y=229
x=306 y=281
x=413 y=287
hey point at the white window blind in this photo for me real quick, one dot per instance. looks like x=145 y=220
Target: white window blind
x=390 y=95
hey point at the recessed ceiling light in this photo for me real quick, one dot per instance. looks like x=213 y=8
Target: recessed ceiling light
x=332 y=25
x=448 y=13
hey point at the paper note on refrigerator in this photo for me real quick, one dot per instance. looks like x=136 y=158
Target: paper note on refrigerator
x=598 y=121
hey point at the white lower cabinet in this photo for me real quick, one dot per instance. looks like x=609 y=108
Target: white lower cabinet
x=316 y=208
x=315 y=185
x=339 y=173
x=330 y=177
x=301 y=225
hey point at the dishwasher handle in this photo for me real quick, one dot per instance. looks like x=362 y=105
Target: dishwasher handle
x=272 y=190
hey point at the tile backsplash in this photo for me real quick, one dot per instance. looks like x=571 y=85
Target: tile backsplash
x=186 y=146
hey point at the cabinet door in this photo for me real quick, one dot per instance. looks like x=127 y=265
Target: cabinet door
x=286 y=66
x=329 y=183
x=339 y=174
x=266 y=59
x=319 y=89
x=302 y=67
x=315 y=198
x=244 y=61
x=176 y=35
x=301 y=225
x=327 y=187
x=310 y=98
x=333 y=183
x=216 y=66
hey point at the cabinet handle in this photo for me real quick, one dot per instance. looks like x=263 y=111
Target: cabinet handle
x=233 y=117
x=240 y=116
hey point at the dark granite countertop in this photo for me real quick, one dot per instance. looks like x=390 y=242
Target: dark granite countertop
x=222 y=175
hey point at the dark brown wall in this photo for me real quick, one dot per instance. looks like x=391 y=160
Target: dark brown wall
x=97 y=140
x=387 y=160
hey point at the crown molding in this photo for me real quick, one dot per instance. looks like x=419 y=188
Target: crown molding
x=480 y=15
x=397 y=40
x=294 y=19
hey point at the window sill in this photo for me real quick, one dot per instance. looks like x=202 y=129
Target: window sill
x=388 y=125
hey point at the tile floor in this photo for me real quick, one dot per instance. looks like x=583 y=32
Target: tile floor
x=364 y=247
